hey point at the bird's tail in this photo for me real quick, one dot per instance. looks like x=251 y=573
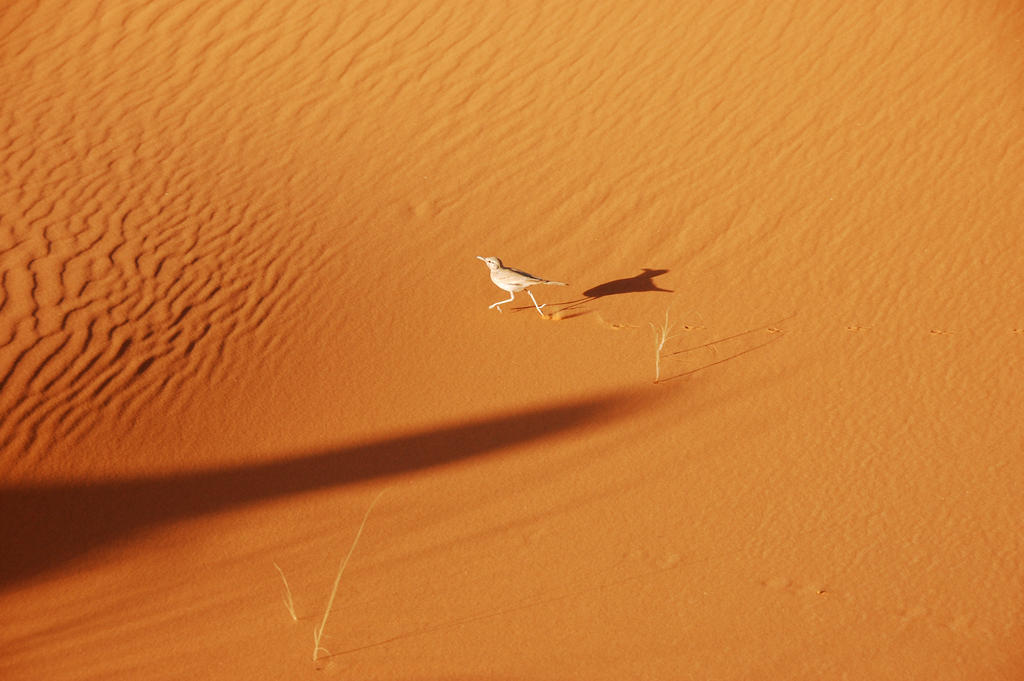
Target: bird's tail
x=555 y=283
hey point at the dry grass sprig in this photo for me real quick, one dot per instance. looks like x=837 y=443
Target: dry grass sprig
x=289 y=602
x=318 y=632
x=661 y=336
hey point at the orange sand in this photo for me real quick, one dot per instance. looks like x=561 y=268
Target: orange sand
x=240 y=298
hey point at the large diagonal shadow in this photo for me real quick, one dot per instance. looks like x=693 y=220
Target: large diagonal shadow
x=43 y=526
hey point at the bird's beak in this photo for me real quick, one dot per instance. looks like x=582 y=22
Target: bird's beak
x=480 y=257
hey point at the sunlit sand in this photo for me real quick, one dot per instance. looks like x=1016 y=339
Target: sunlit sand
x=775 y=432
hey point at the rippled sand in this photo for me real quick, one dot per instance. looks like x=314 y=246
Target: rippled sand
x=239 y=297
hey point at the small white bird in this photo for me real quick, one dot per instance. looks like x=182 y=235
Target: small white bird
x=508 y=279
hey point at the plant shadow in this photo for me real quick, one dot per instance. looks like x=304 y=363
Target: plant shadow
x=725 y=349
x=46 y=525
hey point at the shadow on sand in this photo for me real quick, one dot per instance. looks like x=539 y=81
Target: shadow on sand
x=639 y=283
x=46 y=525
x=724 y=349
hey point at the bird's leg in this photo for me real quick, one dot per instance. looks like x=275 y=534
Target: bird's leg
x=511 y=297
x=535 y=303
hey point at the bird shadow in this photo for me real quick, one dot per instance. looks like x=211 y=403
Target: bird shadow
x=639 y=283
x=635 y=284
x=47 y=525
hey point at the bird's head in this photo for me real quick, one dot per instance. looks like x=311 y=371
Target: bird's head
x=492 y=263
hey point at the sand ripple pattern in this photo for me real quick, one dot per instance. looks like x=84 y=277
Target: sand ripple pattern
x=139 y=244
x=174 y=174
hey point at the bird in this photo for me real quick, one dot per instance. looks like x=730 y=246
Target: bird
x=508 y=279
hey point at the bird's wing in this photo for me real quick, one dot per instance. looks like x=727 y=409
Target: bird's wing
x=524 y=274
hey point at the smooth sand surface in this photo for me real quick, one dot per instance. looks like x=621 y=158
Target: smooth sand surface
x=240 y=298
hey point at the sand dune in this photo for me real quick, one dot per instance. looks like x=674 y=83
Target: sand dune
x=239 y=297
